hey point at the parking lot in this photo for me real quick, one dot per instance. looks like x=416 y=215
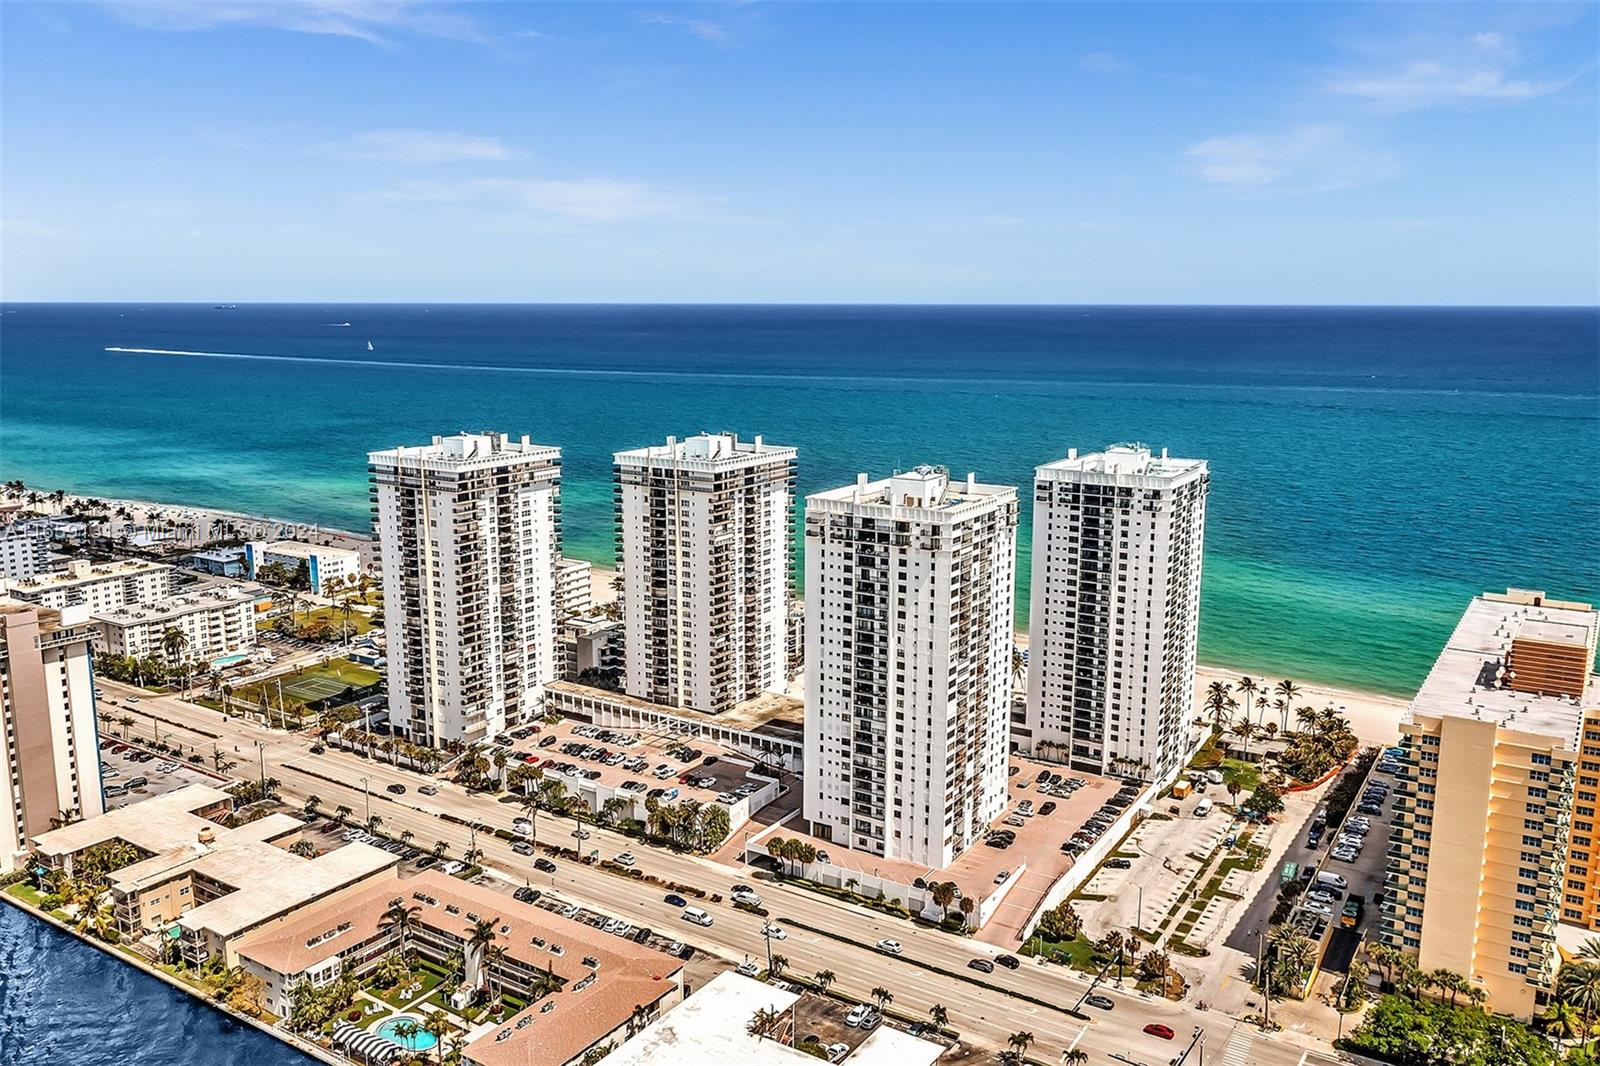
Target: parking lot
x=130 y=773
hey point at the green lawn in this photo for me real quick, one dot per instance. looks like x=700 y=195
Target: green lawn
x=309 y=683
x=397 y=997
x=358 y=622
x=1080 y=952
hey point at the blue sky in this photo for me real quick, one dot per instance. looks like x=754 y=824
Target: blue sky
x=1183 y=153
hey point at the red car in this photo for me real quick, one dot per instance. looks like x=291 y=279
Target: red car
x=1157 y=1029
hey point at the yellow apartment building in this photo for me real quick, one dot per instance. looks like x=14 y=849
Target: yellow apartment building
x=1491 y=805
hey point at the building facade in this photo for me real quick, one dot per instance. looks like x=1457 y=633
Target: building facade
x=98 y=586
x=326 y=568
x=1117 y=543
x=1485 y=849
x=704 y=551
x=469 y=529
x=51 y=764
x=574 y=587
x=910 y=589
x=24 y=549
x=216 y=621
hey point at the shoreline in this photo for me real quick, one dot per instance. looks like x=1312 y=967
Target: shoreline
x=306 y=1048
x=1371 y=712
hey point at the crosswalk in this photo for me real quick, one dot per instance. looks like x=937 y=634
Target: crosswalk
x=1237 y=1051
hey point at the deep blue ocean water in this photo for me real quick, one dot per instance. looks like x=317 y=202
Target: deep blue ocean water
x=1371 y=468
x=63 y=1002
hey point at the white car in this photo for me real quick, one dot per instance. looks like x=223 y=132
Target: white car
x=891 y=947
x=623 y=928
x=748 y=898
x=626 y=859
x=1318 y=906
x=454 y=866
x=775 y=932
x=569 y=911
x=857 y=1013
x=747 y=969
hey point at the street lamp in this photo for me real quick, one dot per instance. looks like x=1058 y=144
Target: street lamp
x=366 y=793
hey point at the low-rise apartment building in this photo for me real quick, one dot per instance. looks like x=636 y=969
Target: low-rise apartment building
x=326 y=568
x=97 y=586
x=216 y=621
x=50 y=767
x=574 y=587
x=210 y=883
x=1485 y=853
x=586 y=987
x=24 y=549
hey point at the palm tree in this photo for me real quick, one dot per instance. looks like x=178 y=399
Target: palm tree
x=303 y=848
x=1579 y=984
x=481 y=938
x=1020 y=1042
x=1561 y=1020
x=764 y=1022
x=882 y=997
x=968 y=905
x=1075 y=1057
x=944 y=894
x=341 y=815
x=779 y=964
x=1219 y=697
x=437 y=1024
x=440 y=848
x=126 y=721
x=938 y=1016
x=400 y=917
x=1249 y=687
x=313 y=802
x=824 y=978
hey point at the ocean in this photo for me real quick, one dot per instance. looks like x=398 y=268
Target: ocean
x=62 y=1002
x=1372 y=468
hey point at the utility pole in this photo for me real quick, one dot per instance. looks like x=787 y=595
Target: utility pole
x=261 y=750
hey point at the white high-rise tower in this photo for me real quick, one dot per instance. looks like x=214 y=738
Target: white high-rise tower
x=704 y=550
x=910 y=588
x=1117 y=541
x=470 y=532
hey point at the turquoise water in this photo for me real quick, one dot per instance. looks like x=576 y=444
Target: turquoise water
x=1371 y=468
x=228 y=660
x=422 y=1041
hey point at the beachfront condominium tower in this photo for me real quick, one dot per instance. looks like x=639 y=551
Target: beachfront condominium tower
x=469 y=528
x=50 y=767
x=1117 y=539
x=704 y=551
x=1494 y=805
x=910 y=592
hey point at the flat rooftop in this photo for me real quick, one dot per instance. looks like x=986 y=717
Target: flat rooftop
x=178 y=606
x=782 y=715
x=1466 y=677
x=914 y=493
x=466 y=451
x=157 y=824
x=299 y=549
x=81 y=571
x=707 y=451
x=1122 y=461
x=709 y=1029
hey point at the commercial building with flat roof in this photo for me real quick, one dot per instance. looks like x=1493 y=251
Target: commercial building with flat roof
x=1491 y=845
x=24 y=549
x=1118 y=537
x=704 y=550
x=910 y=584
x=98 y=586
x=51 y=764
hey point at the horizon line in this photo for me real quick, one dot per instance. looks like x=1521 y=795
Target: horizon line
x=227 y=304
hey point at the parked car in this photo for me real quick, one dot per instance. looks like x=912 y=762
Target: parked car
x=857 y=1013
x=1118 y=864
x=526 y=895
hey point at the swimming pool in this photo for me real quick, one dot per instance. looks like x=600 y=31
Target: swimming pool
x=421 y=1041
x=229 y=660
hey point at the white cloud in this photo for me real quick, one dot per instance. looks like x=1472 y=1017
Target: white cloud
x=591 y=200
x=1481 y=66
x=1104 y=63
x=419 y=146
x=374 y=21
x=1306 y=158
x=715 y=32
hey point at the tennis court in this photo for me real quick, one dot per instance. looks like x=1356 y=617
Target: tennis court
x=309 y=687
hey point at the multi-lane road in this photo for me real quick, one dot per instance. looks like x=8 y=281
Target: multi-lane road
x=823 y=933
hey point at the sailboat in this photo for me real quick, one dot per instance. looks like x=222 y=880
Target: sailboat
x=369 y=346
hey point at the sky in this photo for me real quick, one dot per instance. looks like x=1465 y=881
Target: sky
x=1242 y=153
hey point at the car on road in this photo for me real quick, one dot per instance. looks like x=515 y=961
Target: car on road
x=396 y=788
x=544 y=866
x=581 y=833
x=1118 y=864
x=318 y=749
x=749 y=897
x=1157 y=1029
x=891 y=947
x=133 y=699
x=428 y=790
x=522 y=847
x=1010 y=962
x=776 y=932
x=672 y=899
x=1102 y=1002
x=626 y=859
x=981 y=965
x=747 y=969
